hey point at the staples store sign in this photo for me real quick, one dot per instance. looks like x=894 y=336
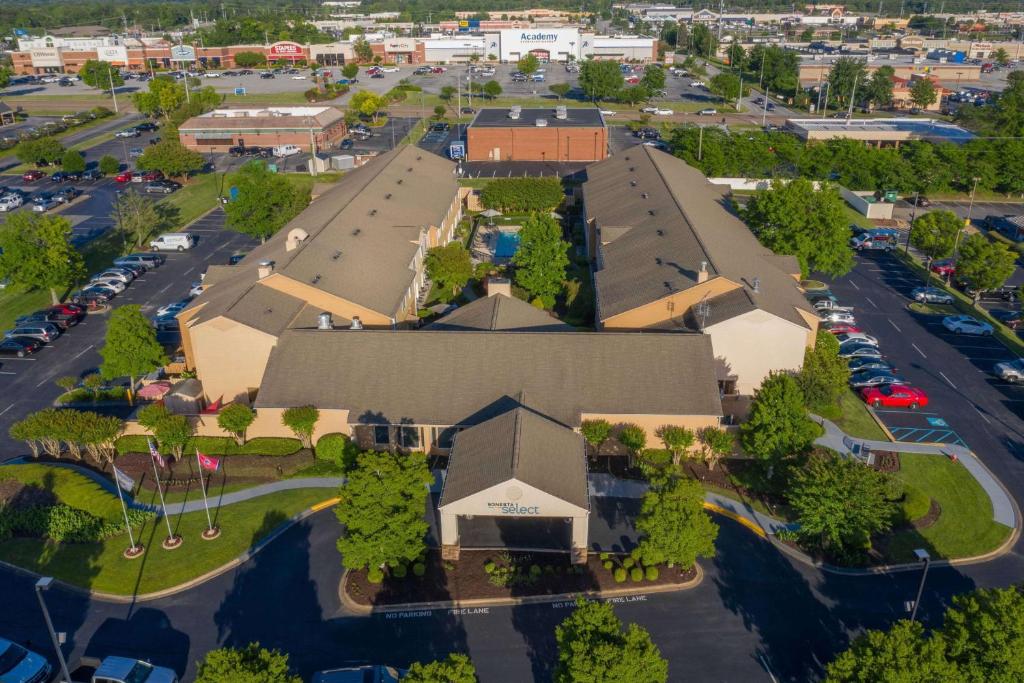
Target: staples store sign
x=286 y=50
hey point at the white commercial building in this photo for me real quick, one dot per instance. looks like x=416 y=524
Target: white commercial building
x=457 y=48
x=561 y=44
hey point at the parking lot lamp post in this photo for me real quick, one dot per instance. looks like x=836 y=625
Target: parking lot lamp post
x=828 y=91
x=113 y=93
x=913 y=215
x=967 y=221
x=120 y=220
x=43 y=584
x=922 y=556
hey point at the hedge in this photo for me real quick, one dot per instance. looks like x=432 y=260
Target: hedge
x=522 y=194
x=63 y=523
x=83 y=395
x=216 y=445
x=337 y=449
x=70 y=488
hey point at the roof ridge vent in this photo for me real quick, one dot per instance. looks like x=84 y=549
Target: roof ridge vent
x=316 y=279
x=373 y=212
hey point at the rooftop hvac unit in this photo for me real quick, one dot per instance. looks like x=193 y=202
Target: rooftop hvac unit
x=561 y=113
x=515 y=111
x=541 y=123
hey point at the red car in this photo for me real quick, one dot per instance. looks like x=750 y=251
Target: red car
x=945 y=268
x=152 y=176
x=438 y=70
x=633 y=80
x=842 y=328
x=32 y=176
x=894 y=396
x=375 y=70
x=124 y=177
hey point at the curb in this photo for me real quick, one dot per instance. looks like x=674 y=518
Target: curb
x=718 y=509
x=363 y=610
x=192 y=583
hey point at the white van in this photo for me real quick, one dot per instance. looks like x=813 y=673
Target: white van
x=286 y=150
x=173 y=241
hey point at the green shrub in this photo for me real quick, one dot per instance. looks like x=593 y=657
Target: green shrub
x=628 y=562
x=70 y=488
x=399 y=572
x=64 y=523
x=522 y=194
x=915 y=503
x=419 y=569
x=608 y=564
x=636 y=575
x=337 y=449
x=535 y=570
x=651 y=573
x=375 y=575
x=636 y=554
x=489 y=567
x=217 y=445
x=620 y=575
x=604 y=556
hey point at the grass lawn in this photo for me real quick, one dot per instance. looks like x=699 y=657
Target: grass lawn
x=100 y=566
x=965 y=528
x=932 y=309
x=856 y=218
x=271 y=98
x=854 y=419
x=70 y=487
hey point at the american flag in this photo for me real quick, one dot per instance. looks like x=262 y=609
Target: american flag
x=157 y=458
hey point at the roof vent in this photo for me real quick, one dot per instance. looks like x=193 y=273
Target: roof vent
x=561 y=113
x=702 y=275
x=387 y=196
x=419 y=158
x=632 y=168
x=626 y=158
x=632 y=183
x=355 y=233
x=400 y=180
x=357 y=324
x=644 y=195
x=661 y=233
x=324 y=321
x=296 y=236
x=409 y=170
x=373 y=212
x=316 y=279
x=336 y=255
x=541 y=123
x=757 y=285
x=650 y=211
x=264 y=269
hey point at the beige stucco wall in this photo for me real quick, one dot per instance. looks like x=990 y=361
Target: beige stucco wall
x=651 y=423
x=750 y=346
x=813 y=322
x=669 y=307
x=267 y=423
x=230 y=358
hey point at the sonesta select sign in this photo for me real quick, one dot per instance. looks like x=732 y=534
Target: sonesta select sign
x=515 y=508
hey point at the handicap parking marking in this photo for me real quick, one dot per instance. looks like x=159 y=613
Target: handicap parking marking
x=937 y=422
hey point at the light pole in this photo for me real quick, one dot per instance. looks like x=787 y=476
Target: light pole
x=913 y=215
x=828 y=91
x=120 y=220
x=967 y=221
x=43 y=584
x=922 y=556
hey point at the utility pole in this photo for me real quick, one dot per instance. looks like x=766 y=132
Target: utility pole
x=110 y=76
x=853 y=96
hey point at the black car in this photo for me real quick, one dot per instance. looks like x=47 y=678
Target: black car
x=647 y=134
x=66 y=194
x=347 y=143
x=437 y=127
x=235 y=259
x=245 y=72
x=19 y=346
x=65 y=82
x=864 y=364
x=65 y=176
x=146 y=126
x=229 y=73
x=91 y=297
x=237 y=151
x=46 y=316
x=267 y=74
x=874 y=378
x=162 y=187
x=467 y=110
x=92 y=174
x=377 y=74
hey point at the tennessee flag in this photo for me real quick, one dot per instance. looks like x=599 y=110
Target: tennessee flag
x=159 y=459
x=208 y=463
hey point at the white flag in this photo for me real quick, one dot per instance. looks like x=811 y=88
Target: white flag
x=123 y=480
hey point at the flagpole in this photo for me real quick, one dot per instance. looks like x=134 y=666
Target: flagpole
x=211 y=532
x=171 y=541
x=134 y=550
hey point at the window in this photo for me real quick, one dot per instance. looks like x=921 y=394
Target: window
x=409 y=437
x=381 y=435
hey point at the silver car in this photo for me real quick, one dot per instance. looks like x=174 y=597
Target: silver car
x=1010 y=371
x=931 y=295
x=44 y=332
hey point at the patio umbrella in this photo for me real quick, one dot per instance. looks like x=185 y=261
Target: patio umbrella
x=490 y=214
x=154 y=391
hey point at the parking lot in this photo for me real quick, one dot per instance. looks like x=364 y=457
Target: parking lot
x=27 y=384
x=967 y=403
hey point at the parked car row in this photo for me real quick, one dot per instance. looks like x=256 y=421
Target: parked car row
x=21 y=665
x=107 y=284
x=871 y=375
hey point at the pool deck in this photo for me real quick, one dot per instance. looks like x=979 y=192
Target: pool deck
x=484 y=246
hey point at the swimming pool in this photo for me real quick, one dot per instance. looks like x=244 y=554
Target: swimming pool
x=508 y=244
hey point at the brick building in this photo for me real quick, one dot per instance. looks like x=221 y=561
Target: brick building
x=558 y=134
x=222 y=129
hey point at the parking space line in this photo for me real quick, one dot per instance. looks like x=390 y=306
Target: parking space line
x=77 y=355
x=947 y=379
x=7 y=408
x=987 y=421
x=918 y=350
x=894 y=325
x=4 y=372
x=868 y=299
x=189 y=270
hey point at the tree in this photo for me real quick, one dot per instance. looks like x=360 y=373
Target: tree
x=825 y=374
x=703 y=41
x=984 y=265
x=101 y=75
x=130 y=347
x=171 y=158
x=593 y=647
x=362 y=49
x=674 y=527
x=439 y=111
x=596 y=432
x=840 y=503
x=99 y=434
x=163 y=95
x=560 y=89
x=528 y=64
x=795 y=219
x=252 y=663
x=600 y=79
x=922 y=93
x=46 y=150
x=135 y=217
x=450 y=267
x=846 y=75
x=5 y=76
x=455 y=668
x=68 y=383
x=778 y=425
x=726 y=85
x=448 y=92
x=1001 y=57
x=633 y=94
x=302 y=421
x=715 y=444
x=249 y=59
x=492 y=89
x=737 y=56
x=173 y=433
x=368 y=103
x=878 y=88
x=109 y=165
x=73 y=161
x=36 y=251
x=901 y=655
x=93 y=382
x=235 y=419
x=934 y=234
x=676 y=439
x=653 y=79
x=542 y=257
x=265 y=201
x=807 y=35
x=984 y=635
x=381 y=507
x=350 y=70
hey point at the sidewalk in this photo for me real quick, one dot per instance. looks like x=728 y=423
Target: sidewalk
x=1003 y=509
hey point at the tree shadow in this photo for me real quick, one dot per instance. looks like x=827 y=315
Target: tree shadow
x=611 y=523
x=145 y=634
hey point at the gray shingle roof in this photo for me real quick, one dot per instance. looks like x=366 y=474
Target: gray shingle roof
x=499 y=312
x=523 y=445
x=677 y=220
x=463 y=378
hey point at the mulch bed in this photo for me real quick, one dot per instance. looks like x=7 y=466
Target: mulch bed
x=466 y=579
x=723 y=477
x=236 y=469
x=887 y=461
x=934 y=512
